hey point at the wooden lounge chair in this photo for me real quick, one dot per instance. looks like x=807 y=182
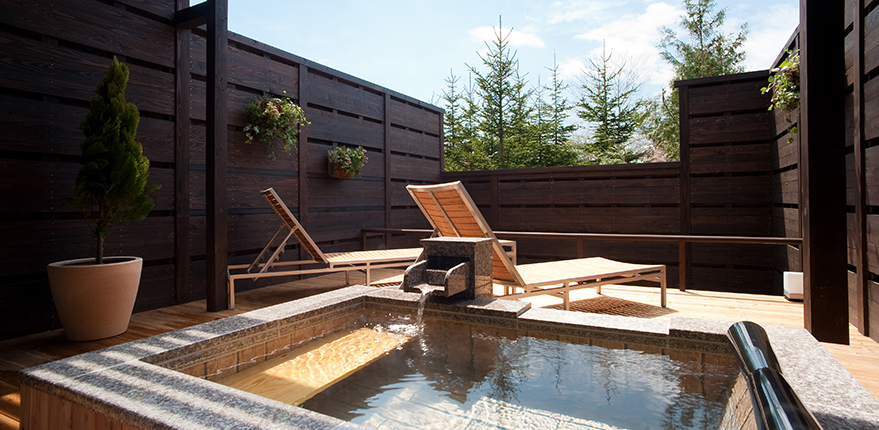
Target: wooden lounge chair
x=331 y=262
x=452 y=213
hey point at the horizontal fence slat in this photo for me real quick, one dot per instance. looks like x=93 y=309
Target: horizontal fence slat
x=731 y=221
x=871 y=159
x=734 y=97
x=128 y=35
x=786 y=187
x=245 y=155
x=731 y=190
x=244 y=189
x=728 y=129
x=50 y=184
x=40 y=68
x=161 y=8
x=418 y=169
x=410 y=116
x=786 y=222
x=730 y=159
x=409 y=142
x=56 y=240
x=344 y=129
x=785 y=154
x=598 y=192
x=249 y=70
x=659 y=220
x=337 y=95
x=326 y=192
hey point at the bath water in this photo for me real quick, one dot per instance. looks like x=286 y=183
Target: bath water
x=454 y=375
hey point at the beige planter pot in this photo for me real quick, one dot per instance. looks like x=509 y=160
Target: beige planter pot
x=94 y=301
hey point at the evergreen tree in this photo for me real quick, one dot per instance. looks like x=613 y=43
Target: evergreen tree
x=558 y=105
x=706 y=52
x=112 y=183
x=453 y=124
x=501 y=92
x=464 y=149
x=498 y=122
x=549 y=133
x=610 y=103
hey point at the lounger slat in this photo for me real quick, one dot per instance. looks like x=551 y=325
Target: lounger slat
x=373 y=256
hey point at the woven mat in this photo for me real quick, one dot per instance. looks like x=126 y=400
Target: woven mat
x=614 y=306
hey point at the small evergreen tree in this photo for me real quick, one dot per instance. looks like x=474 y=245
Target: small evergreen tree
x=112 y=183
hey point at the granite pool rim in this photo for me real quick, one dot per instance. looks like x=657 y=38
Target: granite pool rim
x=133 y=383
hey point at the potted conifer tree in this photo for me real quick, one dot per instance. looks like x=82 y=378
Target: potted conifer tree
x=94 y=297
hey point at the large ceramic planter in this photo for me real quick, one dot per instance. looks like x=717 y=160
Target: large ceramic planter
x=95 y=301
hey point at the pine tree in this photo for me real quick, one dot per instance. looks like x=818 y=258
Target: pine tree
x=706 y=52
x=498 y=122
x=610 y=103
x=502 y=96
x=558 y=104
x=549 y=133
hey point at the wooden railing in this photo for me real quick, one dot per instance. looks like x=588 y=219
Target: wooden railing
x=681 y=240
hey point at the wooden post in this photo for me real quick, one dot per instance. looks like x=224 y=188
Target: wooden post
x=302 y=156
x=495 y=201
x=683 y=262
x=862 y=298
x=386 y=122
x=181 y=162
x=217 y=156
x=686 y=213
x=822 y=148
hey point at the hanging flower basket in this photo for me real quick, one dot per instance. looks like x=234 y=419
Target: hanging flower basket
x=337 y=171
x=270 y=117
x=344 y=162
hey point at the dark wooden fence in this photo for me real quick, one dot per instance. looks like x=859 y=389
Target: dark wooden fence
x=54 y=53
x=862 y=162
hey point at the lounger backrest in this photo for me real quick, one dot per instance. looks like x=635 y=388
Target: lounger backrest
x=452 y=213
x=291 y=222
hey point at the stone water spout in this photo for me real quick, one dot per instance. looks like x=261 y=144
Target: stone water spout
x=454 y=266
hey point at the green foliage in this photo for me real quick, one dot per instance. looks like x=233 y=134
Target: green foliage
x=270 y=117
x=662 y=124
x=707 y=51
x=785 y=84
x=112 y=183
x=497 y=122
x=610 y=102
x=348 y=160
x=785 y=87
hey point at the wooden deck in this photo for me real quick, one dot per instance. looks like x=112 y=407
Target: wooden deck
x=860 y=358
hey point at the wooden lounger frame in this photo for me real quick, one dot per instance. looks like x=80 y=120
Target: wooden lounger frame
x=452 y=213
x=332 y=262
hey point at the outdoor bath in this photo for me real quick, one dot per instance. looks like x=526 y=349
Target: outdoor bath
x=165 y=381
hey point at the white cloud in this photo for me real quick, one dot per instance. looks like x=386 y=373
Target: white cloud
x=514 y=37
x=770 y=31
x=636 y=37
x=571 y=69
x=579 y=10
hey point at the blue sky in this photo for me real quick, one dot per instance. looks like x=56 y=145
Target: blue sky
x=411 y=46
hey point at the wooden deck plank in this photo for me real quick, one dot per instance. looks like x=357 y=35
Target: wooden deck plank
x=860 y=358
